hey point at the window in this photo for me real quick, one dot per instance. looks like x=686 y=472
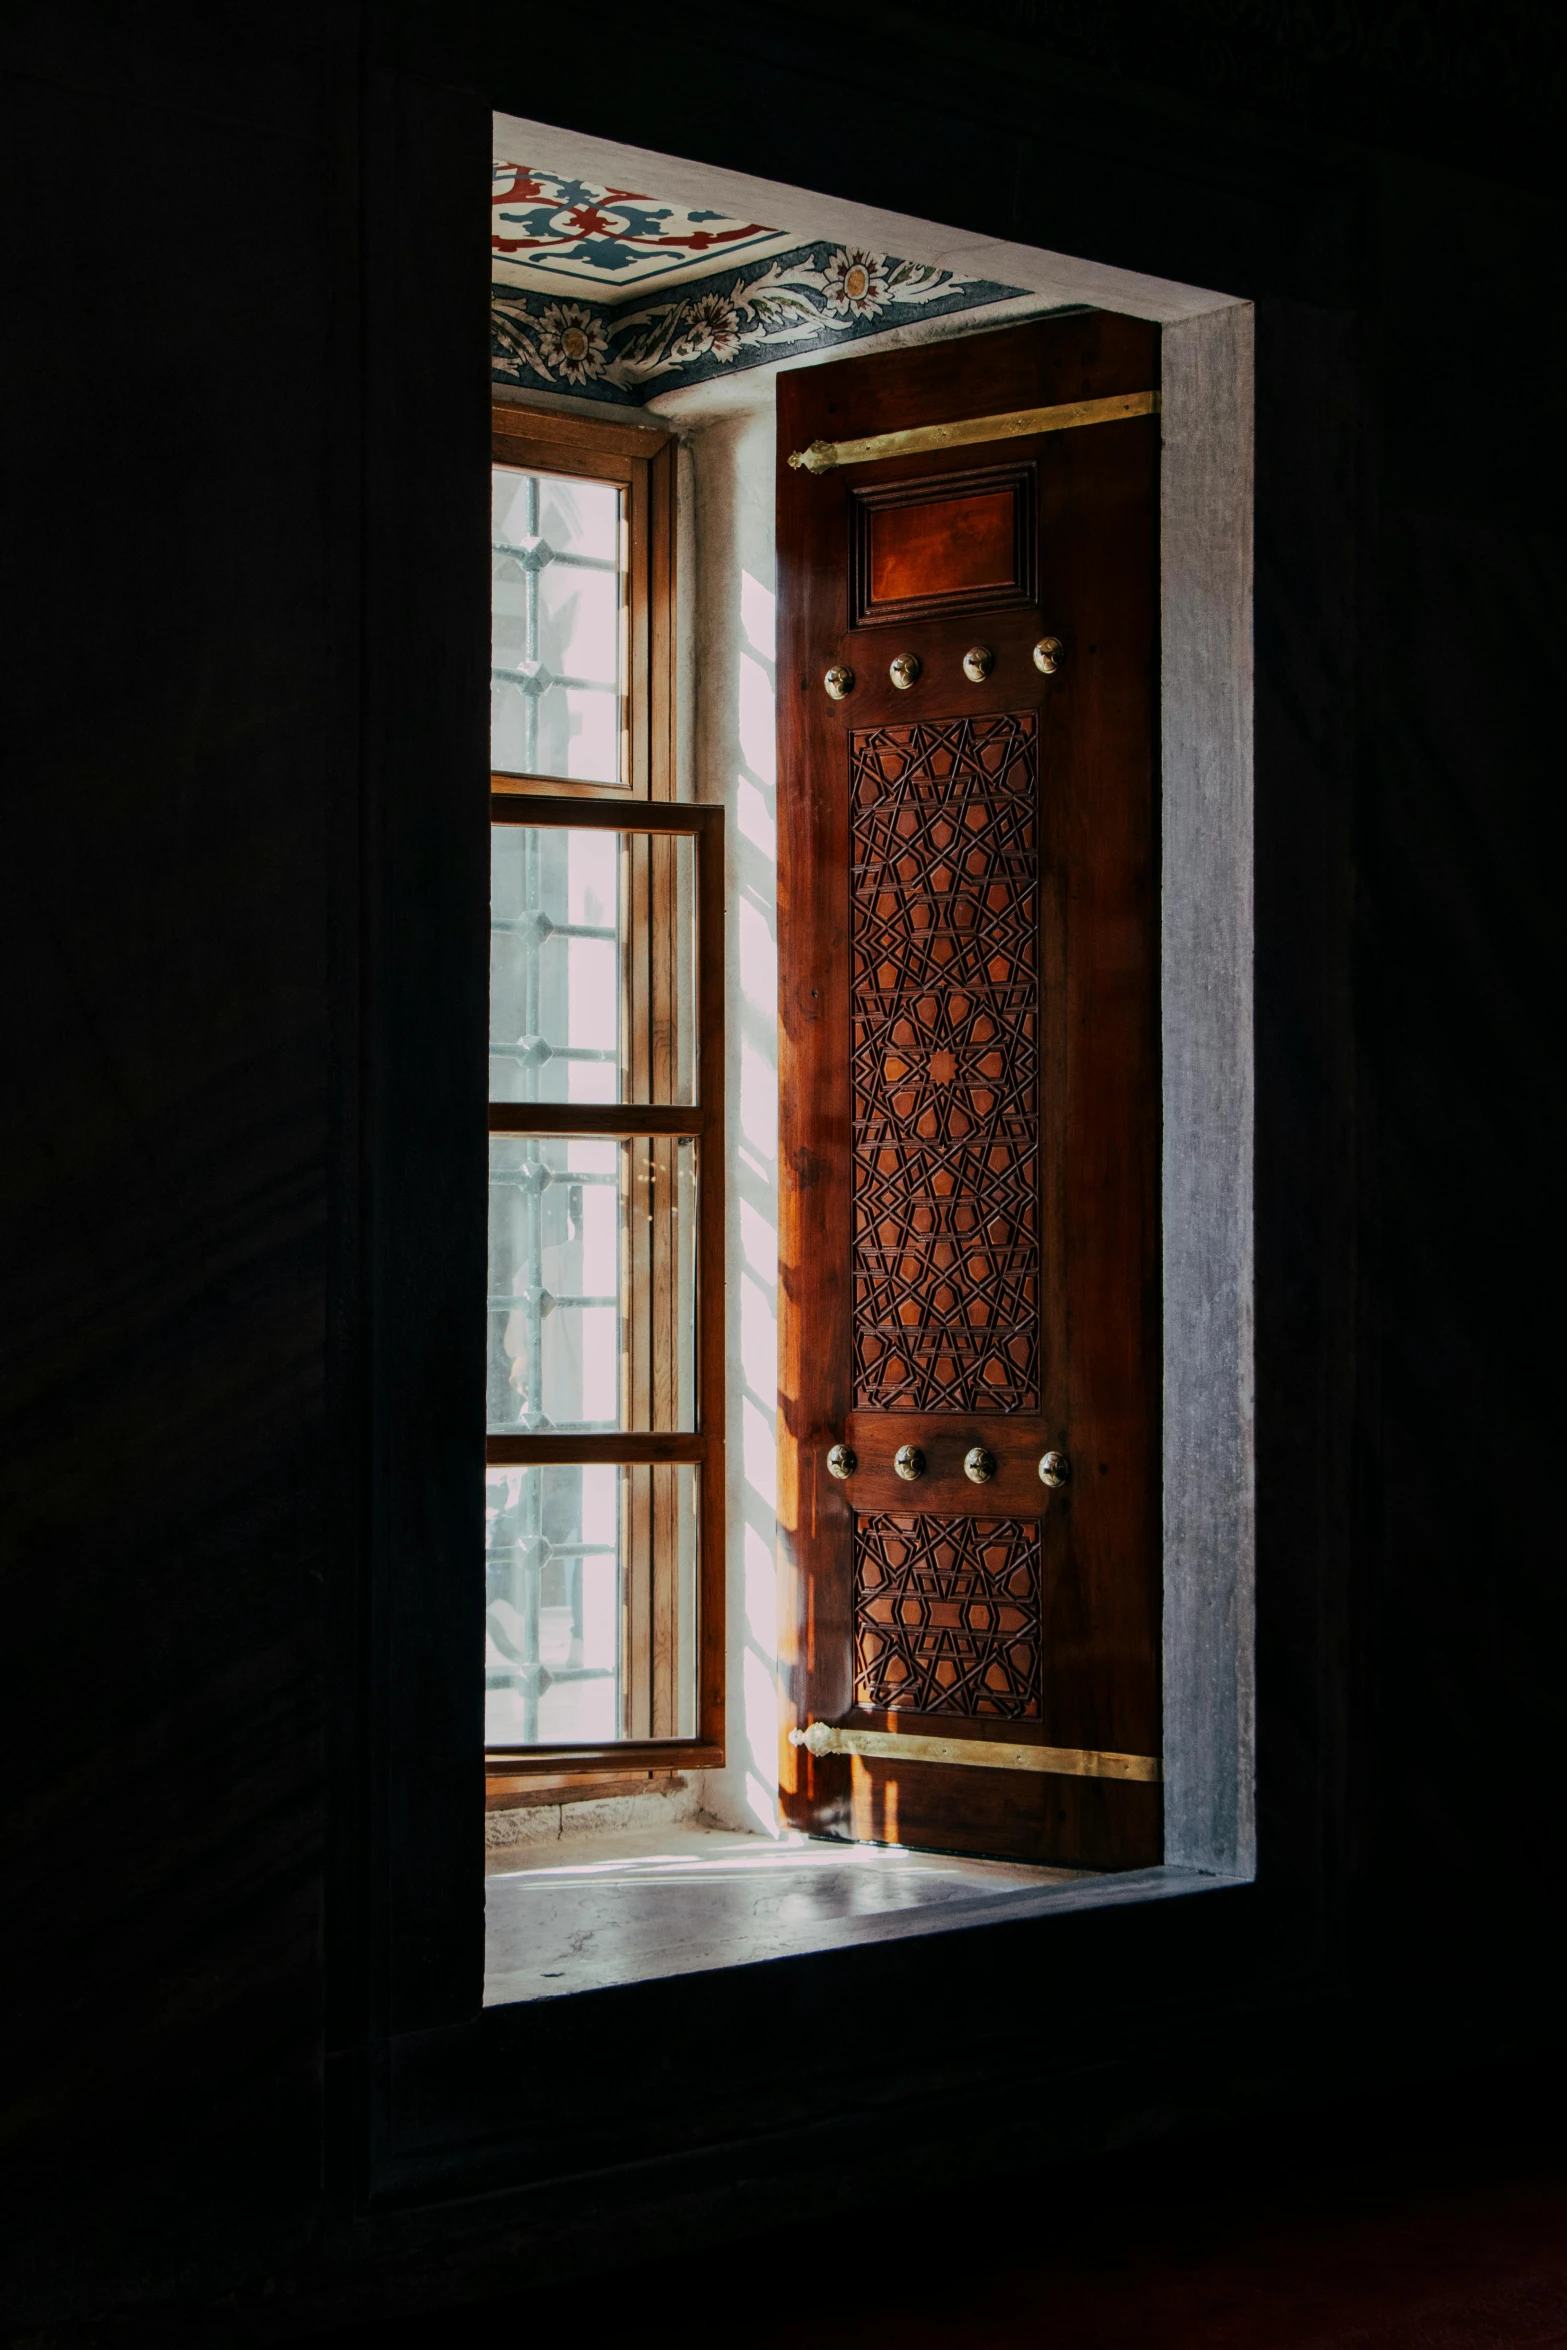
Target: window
x=604 y=1459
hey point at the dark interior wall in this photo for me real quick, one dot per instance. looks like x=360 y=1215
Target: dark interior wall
x=243 y=756
x=180 y=663
x=1459 y=1003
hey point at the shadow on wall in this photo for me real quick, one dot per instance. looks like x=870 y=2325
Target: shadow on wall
x=727 y=567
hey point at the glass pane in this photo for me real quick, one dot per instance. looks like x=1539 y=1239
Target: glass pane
x=575 y=1016
x=591 y=1591
x=552 y=1665
x=557 y=974
x=592 y=1290
x=557 y=600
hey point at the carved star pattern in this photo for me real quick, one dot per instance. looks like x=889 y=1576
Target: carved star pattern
x=947 y=1615
x=945 y=1065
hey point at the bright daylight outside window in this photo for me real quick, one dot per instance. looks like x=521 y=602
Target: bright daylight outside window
x=558 y=605
x=603 y=1477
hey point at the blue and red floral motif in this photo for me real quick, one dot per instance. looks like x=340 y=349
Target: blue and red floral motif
x=568 y=229
x=802 y=300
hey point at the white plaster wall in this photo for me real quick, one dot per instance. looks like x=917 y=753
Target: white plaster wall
x=728 y=753
x=1206 y=995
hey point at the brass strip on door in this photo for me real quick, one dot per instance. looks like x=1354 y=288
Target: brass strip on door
x=985 y=1754
x=825 y=456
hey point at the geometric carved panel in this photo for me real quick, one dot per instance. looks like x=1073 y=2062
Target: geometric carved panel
x=944 y=1010
x=946 y=1615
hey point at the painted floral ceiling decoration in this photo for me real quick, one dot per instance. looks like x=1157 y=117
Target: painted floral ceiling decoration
x=607 y=242
x=760 y=295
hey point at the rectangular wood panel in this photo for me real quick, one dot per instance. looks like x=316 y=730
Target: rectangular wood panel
x=941 y=547
x=964 y=542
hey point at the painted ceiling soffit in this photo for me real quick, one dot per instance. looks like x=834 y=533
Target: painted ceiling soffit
x=615 y=296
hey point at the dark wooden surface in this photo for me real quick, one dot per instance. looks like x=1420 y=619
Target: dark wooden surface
x=1330 y=2227
x=1095 y=1213
x=976 y=524
x=960 y=542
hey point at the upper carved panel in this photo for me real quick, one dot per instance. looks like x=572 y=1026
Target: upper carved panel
x=944 y=1008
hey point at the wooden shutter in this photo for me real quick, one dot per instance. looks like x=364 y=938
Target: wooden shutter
x=969 y=1150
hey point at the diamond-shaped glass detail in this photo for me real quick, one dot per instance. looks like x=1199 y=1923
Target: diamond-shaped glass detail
x=558 y=608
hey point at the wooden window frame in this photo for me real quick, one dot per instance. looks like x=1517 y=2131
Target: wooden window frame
x=643 y=806
x=642 y=464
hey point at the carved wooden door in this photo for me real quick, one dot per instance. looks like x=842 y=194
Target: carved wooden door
x=968 y=938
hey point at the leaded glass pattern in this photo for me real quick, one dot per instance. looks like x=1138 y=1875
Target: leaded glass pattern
x=589 y=1241
x=563 y=992
x=580 y=1650
x=557 y=978
x=558 y=627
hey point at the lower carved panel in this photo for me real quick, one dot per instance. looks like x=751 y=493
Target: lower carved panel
x=947 y=1615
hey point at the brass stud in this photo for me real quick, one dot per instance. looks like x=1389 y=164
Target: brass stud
x=909 y=1462
x=978 y=663
x=904 y=671
x=842 y=1461
x=839 y=683
x=1049 y=654
x=979 y=1466
x=1054 y=1469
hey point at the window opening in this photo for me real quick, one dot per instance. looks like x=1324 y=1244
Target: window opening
x=604 y=356
x=603 y=1481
